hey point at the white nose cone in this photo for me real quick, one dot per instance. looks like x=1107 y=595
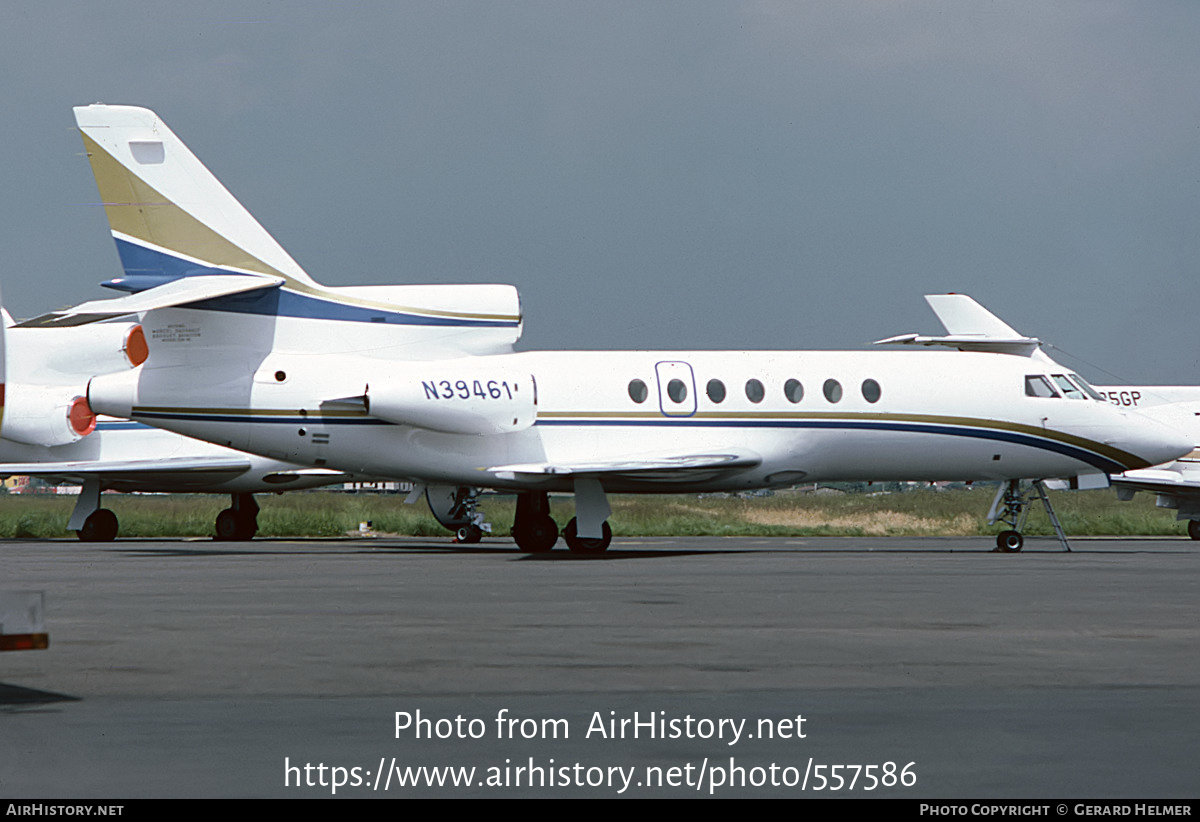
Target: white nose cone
x=1153 y=441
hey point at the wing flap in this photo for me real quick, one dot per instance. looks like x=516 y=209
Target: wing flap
x=664 y=467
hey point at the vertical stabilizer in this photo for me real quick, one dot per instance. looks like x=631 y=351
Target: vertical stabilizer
x=960 y=314
x=170 y=217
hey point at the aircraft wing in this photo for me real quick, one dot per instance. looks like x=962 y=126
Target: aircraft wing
x=1177 y=486
x=142 y=470
x=657 y=467
x=1174 y=479
x=176 y=472
x=178 y=292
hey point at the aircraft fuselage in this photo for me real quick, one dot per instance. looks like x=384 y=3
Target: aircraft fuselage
x=782 y=417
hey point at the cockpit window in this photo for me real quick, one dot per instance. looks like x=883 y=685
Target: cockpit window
x=1038 y=386
x=1087 y=389
x=1067 y=387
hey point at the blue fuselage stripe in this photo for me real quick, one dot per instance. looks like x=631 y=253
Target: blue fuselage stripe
x=1074 y=452
x=1103 y=463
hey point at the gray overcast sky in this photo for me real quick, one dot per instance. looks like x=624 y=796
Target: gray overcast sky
x=660 y=175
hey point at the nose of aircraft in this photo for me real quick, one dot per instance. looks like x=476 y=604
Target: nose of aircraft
x=1151 y=440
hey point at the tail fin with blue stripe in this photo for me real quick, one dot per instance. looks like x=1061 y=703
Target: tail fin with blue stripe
x=170 y=217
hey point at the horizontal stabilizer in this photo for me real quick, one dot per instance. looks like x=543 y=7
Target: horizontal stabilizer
x=650 y=467
x=1023 y=346
x=176 y=293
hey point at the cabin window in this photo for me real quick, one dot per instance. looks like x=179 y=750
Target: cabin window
x=677 y=391
x=871 y=391
x=1069 y=389
x=832 y=390
x=1038 y=386
x=755 y=391
x=638 y=391
x=716 y=391
x=793 y=390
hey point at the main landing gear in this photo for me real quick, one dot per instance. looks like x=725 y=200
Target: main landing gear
x=583 y=545
x=588 y=532
x=533 y=528
x=1011 y=507
x=239 y=522
x=91 y=523
x=100 y=526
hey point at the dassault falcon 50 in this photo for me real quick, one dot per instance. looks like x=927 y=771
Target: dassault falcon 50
x=422 y=382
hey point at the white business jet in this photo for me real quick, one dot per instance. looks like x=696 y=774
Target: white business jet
x=422 y=383
x=47 y=430
x=1176 y=484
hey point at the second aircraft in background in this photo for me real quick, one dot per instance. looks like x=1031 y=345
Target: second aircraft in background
x=47 y=430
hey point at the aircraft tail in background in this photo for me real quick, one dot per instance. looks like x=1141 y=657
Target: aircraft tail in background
x=170 y=217
x=185 y=241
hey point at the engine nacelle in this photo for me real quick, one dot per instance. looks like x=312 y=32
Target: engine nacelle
x=455 y=396
x=73 y=351
x=46 y=415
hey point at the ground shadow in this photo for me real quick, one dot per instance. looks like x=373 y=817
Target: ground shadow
x=16 y=695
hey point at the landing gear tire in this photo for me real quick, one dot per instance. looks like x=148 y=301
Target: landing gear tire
x=469 y=534
x=583 y=545
x=1009 y=542
x=232 y=527
x=1194 y=528
x=100 y=526
x=536 y=536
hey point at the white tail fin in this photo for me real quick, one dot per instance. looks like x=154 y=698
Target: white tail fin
x=170 y=217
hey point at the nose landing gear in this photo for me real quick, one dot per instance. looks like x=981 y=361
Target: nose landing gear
x=455 y=508
x=1011 y=507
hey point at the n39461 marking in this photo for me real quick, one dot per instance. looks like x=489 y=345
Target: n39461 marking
x=461 y=389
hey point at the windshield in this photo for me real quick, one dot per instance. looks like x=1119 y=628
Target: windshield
x=1038 y=386
x=1091 y=392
